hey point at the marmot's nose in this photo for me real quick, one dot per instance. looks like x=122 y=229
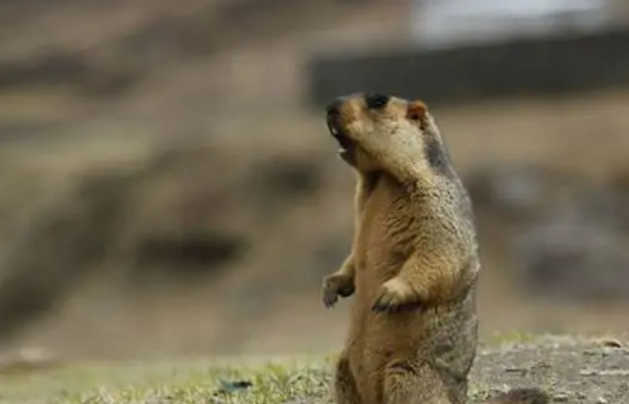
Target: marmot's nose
x=334 y=107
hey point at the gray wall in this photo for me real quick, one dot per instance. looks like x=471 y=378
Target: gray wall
x=548 y=66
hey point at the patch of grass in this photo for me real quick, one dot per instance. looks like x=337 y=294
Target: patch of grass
x=166 y=383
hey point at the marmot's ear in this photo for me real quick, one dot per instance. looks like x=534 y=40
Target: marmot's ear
x=417 y=112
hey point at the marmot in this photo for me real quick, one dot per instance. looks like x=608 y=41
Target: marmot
x=414 y=261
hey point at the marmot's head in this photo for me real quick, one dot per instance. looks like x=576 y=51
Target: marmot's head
x=384 y=133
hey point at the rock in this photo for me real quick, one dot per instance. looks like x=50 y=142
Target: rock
x=27 y=360
x=577 y=249
x=611 y=343
x=511 y=191
x=560 y=398
x=228 y=386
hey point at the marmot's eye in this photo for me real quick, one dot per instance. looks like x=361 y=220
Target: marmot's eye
x=376 y=101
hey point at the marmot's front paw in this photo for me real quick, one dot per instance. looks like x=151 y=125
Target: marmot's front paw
x=335 y=285
x=395 y=295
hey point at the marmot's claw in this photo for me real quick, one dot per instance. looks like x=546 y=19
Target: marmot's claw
x=329 y=299
x=395 y=297
x=336 y=285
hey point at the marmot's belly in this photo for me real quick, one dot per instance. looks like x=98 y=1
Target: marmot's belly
x=379 y=338
x=413 y=338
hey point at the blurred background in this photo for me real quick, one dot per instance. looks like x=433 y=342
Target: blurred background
x=168 y=186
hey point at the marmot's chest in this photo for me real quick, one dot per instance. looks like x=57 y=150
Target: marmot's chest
x=388 y=232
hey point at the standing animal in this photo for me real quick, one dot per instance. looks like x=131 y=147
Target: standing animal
x=414 y=261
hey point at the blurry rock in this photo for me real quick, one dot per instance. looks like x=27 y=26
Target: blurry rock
x=228 y=386
x=67 y=240
x=611 y=343
x=195 y=252
x=286 y=177
x=571 y=233
x=620 y=185
x=71 y=69
x=515 y=192
x=578 y=249
x=28 y=360
x=188 y=213
x=196 y=212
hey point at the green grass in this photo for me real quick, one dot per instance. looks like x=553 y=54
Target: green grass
x=174 y=382
x=512 y=337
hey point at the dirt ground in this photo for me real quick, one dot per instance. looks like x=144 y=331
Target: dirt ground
x=573 y=370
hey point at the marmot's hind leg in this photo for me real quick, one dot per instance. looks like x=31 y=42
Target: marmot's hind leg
x=407 y=382
x=345 y=391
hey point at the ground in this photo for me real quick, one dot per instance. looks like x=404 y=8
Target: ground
x=577 y=370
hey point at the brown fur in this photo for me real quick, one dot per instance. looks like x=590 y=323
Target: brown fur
x=413 y=264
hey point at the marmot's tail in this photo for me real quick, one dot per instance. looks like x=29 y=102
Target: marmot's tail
x=522 y=396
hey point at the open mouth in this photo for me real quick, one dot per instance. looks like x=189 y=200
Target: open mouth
x=344 y=142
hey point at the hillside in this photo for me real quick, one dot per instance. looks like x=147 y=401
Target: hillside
x=165 y=192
